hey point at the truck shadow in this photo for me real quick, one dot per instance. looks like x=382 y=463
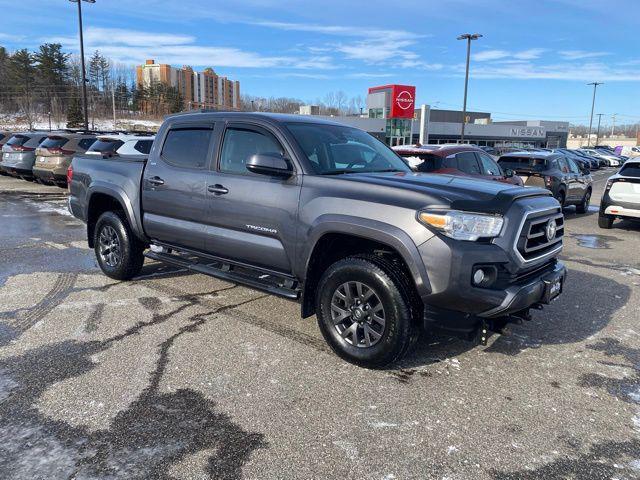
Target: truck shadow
x=573 y=317
x=158 y=430
x=608 y=459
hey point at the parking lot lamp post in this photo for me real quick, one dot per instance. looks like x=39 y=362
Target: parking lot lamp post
x=593 y=103
x=84 y=73
x=598 y=129
x=468 y=37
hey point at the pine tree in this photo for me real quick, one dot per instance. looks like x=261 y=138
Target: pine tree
x=75 y=118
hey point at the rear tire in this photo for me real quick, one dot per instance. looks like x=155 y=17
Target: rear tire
x=605 y=221
x=561 y=198
x=118 y=251
x=583 y=207
x=365 y=308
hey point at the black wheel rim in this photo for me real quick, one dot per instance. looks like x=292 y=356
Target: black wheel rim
x=109 y=246
x=358 y=314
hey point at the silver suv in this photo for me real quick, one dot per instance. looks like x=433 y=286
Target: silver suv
x=19 y=154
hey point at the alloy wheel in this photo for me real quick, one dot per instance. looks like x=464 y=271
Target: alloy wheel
x=358 y=314
x=109 y=246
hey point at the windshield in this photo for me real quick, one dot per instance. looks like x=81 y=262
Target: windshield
x=334 y=149
x=522 y=163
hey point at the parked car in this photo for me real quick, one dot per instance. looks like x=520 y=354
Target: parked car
x=122 y=144
x=324 y=213
x=54 y=154
x=580 y=157
x=621 y=197
x=19 y=154
x=628 y=151
x=561 y=175
x=582 y=162
x=608 y=159
x=490 y=150
x=4 y=137
x=457 y=160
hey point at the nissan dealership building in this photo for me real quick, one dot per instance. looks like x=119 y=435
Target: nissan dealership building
x=392 y=117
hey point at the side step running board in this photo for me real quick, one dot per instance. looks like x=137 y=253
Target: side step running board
x=281 y=287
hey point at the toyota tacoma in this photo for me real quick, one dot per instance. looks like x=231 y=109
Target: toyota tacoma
x=325 y=214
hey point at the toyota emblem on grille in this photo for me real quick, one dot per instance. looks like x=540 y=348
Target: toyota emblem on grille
x=551 y=229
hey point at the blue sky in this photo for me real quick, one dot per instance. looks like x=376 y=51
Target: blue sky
x=533 y=61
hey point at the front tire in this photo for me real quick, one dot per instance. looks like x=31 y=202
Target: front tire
x=605 y=221
x=583 y=207
x=118 y=251
x=364 y=307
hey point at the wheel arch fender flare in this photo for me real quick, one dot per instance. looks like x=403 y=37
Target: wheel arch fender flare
x=120 y=196
x=369 y=229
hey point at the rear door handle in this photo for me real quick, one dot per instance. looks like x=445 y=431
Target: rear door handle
x=156 y=181
x=217 y=189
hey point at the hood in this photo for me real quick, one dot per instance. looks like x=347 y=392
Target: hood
x=458 y=192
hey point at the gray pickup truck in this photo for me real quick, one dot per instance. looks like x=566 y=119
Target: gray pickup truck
x=328 y=215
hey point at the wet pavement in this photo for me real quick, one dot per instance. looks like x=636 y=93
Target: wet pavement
x=178 y=375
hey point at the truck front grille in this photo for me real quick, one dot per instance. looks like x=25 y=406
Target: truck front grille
x=533 y=241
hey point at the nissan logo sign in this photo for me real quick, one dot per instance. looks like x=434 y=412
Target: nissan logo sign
x=404 y=100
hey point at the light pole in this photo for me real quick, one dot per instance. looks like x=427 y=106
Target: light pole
x=468 y=37
x=613 y=124
x=598 y=130
x=84 y=74
x=593 y=103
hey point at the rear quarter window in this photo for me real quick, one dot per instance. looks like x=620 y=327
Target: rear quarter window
x=143 y=146
x=86 y=143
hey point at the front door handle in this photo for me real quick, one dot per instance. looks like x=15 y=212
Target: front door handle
x=156 y=181
x=217 y=189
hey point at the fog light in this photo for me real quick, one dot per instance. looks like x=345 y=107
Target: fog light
x=478 y=276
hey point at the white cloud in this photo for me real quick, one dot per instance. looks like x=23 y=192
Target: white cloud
x=133 y=46
x=369 y=45
x=586 y=72
x=369 y=75
x=580 y=54
x=489 y=55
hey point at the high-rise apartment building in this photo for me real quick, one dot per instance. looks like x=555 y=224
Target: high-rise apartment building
x=204 y=89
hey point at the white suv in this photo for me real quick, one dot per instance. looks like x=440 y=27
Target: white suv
x=110 y=144
x=621 y=195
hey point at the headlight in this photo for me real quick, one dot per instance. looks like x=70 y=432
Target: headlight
x=463 y=225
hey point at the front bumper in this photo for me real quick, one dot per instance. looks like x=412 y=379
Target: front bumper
x=522 y=295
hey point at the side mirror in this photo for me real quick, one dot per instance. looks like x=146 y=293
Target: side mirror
x=509 y=173
x=273 y=164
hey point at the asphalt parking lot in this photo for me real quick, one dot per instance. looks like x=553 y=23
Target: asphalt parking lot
x=178 y=375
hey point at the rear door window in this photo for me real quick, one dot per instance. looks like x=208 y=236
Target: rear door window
x=564 y=166
x=489 y=166
x=467 y=163
x=572 y=166
x=187 y=147
x=429 y=162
